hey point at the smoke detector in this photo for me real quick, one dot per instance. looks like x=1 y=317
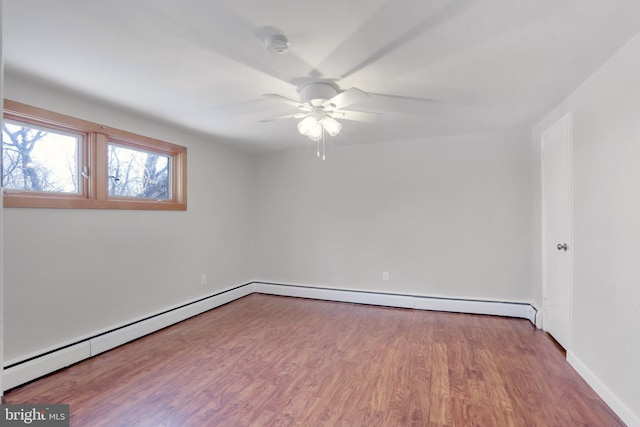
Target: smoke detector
x=277 y=44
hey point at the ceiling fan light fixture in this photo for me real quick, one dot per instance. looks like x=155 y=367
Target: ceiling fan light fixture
x=331 y=125
x=310 y=127
x=315 y=138
x=316 y=132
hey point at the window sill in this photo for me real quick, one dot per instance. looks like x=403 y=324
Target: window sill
x=22 y=200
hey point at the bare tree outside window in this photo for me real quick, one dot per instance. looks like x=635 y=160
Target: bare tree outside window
x=138 y=173
x=39 y=159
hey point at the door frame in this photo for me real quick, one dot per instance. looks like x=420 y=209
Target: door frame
x=568 y=119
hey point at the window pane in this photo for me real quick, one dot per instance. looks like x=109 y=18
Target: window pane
x=138 y=173
x=39 y=159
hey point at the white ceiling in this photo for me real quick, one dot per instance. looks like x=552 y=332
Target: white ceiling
x=444 y=66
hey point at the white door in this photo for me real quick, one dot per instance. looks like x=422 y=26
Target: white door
x=556 y=251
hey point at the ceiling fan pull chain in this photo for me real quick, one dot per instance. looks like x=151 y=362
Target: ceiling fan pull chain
x=323 y=150
x=318 y=152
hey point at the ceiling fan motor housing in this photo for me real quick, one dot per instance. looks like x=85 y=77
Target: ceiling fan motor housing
x=316 y=93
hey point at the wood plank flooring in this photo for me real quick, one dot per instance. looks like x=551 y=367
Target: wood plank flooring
x=278 y=361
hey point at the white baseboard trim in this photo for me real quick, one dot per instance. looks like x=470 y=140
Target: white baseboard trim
x=616 y=405
x=37 y=366
x=495 y=308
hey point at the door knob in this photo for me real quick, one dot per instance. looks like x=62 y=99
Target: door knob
x=562 y=247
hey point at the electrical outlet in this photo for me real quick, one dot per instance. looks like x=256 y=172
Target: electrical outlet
x=385 y=276
x=203 y=279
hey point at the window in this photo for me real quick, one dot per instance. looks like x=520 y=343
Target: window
x=39 y=159
x=138 y=173
x=54 y=161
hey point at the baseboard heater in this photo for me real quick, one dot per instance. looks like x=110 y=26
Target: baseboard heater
x=455 y=305
x=21 y=372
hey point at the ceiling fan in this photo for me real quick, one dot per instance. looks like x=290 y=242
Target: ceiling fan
x=320 y=105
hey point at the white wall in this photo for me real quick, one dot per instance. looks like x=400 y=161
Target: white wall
x=446 y=217
x=69 y=273
x=605 y=342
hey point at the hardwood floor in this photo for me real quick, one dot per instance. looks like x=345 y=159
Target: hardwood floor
x=278 y=361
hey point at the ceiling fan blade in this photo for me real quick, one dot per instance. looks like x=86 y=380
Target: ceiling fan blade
x=403 y=98
x=400 y=104
x=415 y=29
x=348 y=97
x=288 y=116
x=358 y=116
x=289 y=101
